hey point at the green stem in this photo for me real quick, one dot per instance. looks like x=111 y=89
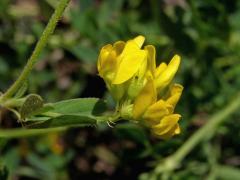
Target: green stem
x=39 y=47
x=16 y=133
x=207 y=130
x=12 y=103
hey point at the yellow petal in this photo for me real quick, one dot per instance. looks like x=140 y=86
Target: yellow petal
x=107 y=60
x=130 y=48
x=176 y=88
x=175 y=130
x=139 y=40
x=118 y=47
x=156 y=112
x=160 y=69
x=108 y=66
x=166 y=124
x=129 y=63
x=175 y=94
x=167 y=75
x=151 y=57
x=146 y=97
x=142 y=70
x=103 y=55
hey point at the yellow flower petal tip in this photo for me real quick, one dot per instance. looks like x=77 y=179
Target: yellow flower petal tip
x=139 y=40
x=166 y=74
x=177 y=129
x=175 y=61
x=160 y=69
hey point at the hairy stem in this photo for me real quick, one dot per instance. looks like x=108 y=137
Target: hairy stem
x=38 y=48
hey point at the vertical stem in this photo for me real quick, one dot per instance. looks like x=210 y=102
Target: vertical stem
x=38 y=48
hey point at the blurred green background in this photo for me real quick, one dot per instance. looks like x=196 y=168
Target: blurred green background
x=205 y=33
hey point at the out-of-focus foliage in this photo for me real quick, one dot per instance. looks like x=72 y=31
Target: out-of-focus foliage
x=205 y=33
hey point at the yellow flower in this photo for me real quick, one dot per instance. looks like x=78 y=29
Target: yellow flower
x=167 y=127
x=120 y=62
x=158 y=114
x=155 y=107
x=142 y=90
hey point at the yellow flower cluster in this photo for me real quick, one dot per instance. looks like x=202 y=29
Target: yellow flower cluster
x=143 y=91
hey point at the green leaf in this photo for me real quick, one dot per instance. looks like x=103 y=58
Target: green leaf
x=45 y=108
x=83 y=106
x=68 y=113
x=32 y=104
x=65 y=120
